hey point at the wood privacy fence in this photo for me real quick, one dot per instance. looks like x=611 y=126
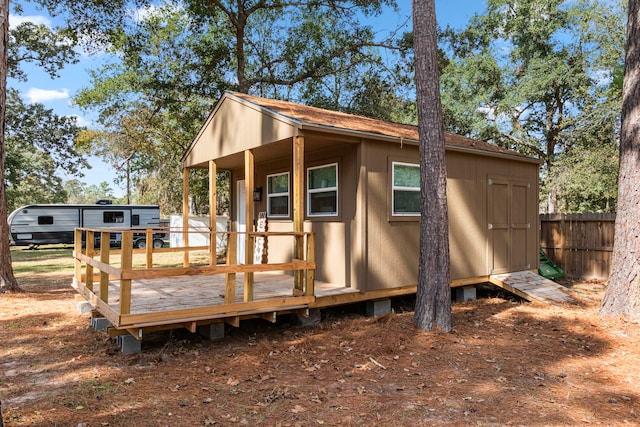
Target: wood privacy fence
x=581 y=244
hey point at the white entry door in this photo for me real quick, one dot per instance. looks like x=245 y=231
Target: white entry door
x=242 y=218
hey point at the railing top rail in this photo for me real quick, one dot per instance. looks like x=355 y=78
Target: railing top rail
x=194 y=230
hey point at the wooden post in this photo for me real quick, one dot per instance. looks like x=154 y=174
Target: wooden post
x=298 y=208
x=232 y=259
x=213 y=217
x=126 y=263
x=77 y=248
x=249 y=174
x=149 y=248
x=104 y=258
x=89 y=244
x=185 y=215
x=311 y=257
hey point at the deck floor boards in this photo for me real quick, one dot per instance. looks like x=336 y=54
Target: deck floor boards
x=185 y=292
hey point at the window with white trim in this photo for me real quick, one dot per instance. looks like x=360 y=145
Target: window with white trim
x=405 y=198
x=322 y=190
x=278 y=195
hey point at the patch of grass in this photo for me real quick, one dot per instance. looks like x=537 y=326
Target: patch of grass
x=59 y=259
x=41 y=261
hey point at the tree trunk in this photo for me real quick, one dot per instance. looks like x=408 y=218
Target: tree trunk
x=622 y=296
x=433 y=298
x=7 y=279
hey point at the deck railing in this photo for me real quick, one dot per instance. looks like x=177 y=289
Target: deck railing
x=97 y=263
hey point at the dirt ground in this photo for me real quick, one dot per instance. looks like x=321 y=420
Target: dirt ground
x=508 y=362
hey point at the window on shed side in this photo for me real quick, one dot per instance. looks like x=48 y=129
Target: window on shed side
x=113 y=217
x=406 y=189
x=322 y=190
x=278 y=195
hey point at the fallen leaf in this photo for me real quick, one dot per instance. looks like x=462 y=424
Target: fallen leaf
x=297 y=409
x=129 y=381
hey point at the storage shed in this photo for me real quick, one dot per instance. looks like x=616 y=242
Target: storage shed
x=354 y=182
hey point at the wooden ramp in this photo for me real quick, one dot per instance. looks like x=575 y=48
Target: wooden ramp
x=533 y=287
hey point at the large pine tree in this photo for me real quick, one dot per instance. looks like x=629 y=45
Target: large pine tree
x=622 y=296
x=433 y=299
x=8 y=281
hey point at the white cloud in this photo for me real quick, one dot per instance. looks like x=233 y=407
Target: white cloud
x=81 y=121
x=15 y=20
x=34 y=95
x=141 y=14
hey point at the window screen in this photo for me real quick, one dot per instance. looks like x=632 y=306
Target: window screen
x=406 y=189
x=278 y=195
x=322 y=190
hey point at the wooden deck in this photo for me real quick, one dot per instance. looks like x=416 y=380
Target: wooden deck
x=180 y=299
x=533 y=287
x=137 y=297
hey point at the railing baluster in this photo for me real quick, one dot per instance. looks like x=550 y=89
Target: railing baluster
x=232 y=259
x=126 y=263
x=149 y=248
x=77 y=248
x=105 y=248
x=310 y=272
x=89 y=244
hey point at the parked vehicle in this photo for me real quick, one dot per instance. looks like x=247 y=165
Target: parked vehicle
x=35 y=225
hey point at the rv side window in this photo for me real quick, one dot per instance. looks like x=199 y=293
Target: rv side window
x=406 y=189
x=45 y=220
x=135 y=219
x=113 y=217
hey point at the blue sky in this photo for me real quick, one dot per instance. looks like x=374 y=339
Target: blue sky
x=56 y=94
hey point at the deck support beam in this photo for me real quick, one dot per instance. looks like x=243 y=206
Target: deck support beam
x=233 y=321
x=213 y=219
x=298 y=209
x=270 y=317
x=249 y=184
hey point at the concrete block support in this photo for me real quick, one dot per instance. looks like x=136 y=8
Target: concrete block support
x=466 y=293
x=378 y=307
x=83 y=305
x=129 y=345
x=212 y=332
x=312 y=319
x=100 y=323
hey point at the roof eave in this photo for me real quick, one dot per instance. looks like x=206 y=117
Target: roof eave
x=401 y=140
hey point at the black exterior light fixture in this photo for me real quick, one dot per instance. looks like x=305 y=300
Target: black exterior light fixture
x=257 y=194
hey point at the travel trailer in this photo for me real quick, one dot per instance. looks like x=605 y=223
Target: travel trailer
x=35 y=225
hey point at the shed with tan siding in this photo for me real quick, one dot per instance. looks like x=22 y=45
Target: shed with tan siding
x=333 y=174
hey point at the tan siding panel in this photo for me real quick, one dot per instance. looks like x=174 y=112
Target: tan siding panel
x=234 y=128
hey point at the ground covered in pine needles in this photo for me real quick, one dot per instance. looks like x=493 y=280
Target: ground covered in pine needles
x=508 y=362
